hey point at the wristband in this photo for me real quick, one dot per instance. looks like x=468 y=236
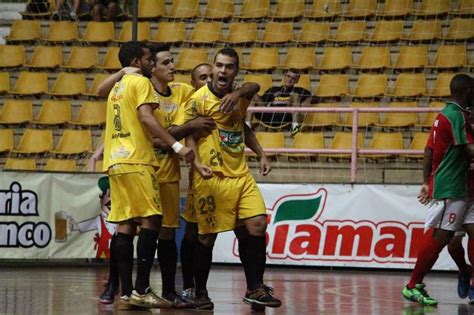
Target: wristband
x=177 y=146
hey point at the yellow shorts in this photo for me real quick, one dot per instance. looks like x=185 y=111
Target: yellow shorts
x=134 y=192
x=221 y=201
x=169 y=193
x=189 y=213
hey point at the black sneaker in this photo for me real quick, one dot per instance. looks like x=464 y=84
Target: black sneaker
x=177 y=300
x=108 y=296
x=262 y=296
x=202 y=301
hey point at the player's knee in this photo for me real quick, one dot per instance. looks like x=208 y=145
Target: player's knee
x=241 y=232
x=152 y=222
x=191 y=232
x=207 y=240
x=257 y=226
x=167 y=233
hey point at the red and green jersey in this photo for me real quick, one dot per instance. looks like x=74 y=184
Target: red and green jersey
x=448 y=136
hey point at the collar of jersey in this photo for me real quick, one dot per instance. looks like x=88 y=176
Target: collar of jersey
x=459 y=106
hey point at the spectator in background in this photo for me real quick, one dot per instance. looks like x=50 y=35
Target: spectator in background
x=281 y=96
x=105 y=10
x=68 y=8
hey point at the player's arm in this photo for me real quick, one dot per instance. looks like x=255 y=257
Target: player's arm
x=106 y=86
x=424 y=195
x=204 y=170
x=93 y=160
x=199 y=125
x=252 y=142
x=247 y=91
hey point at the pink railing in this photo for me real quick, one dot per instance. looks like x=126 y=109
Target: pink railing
x=355 y=117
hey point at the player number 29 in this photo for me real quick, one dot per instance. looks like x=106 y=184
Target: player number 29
x=207 y=204
x=216 y=158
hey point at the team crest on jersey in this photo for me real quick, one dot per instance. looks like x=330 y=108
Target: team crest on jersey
x=168 y=107
x=231 y=140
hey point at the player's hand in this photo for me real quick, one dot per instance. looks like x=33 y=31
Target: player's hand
x=203 y=125
x=160 y=144
x=424 y=195
x=186 y=153
x=204 y=170
x=130 y=70
x=265 y=166
x=228 y=102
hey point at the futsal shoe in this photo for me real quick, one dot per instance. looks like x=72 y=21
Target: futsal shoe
x=202 y=301
x=261 y=297
x=177 y=300
x=419 y=294
x=188 y=295
x=464 y=283
x=149 y=300
x=108 y=296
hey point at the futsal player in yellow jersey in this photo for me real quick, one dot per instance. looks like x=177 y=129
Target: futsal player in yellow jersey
x=225 y=191
x=130 y=162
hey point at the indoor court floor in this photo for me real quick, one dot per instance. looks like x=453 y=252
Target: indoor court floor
x=75 y=290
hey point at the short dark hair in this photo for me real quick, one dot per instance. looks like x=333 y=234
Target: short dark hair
x=129 y=51
x=157 y=48
x=460 y=83
x=294 y=70
x=199 y=65
x=230 y=52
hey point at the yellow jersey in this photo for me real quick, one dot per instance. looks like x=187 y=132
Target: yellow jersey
x=169 y=114
x=223 y=149
x=126 y=140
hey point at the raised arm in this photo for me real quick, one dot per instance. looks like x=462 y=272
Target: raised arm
x=106 y=86
x=247 y=91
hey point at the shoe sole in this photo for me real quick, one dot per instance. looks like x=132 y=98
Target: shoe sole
x=106 y=302
x=206 y=307
x=416 y=301
x=257 y=303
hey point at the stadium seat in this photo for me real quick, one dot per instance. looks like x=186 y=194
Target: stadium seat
x=409 y=85
x=399 y=120
x=429 y=8
x=206 y=33
x=441 y=85
x=98 y=79
x=317 y=120
x=242 y=33
x=12 y=56
x=306 y=140
x=4 y=83
x=35 y=141
x=374 y=58
x=62 y=32
x=384 y=141
x=277 y=33
x=411 y=58
x=417 y=143
x=386 y=31
x=24 y=31
x=111 y=61
x=270 y=140
x=350 y=32
x=82 y=58
x=427 y=119
x=465 y=8
x=331 y=86
x=264 y=80
x=182 y=78
x=288 y=9
x=254 y=9
x=184 y=9
x=20 y=164
x=143 y=33
x=54 y=112
x=364 y=119
x=69 y=84
x=151 y=9
x=263 y=59
x=304 y=82
x=219 y=10
x=6 y=140
x=370 y=85
x=16 y=112
x=449 y=57
x=396 y=8
x=61 y=165
x=324 y=9
x=188 y=58
x=300 y=58
x=460 y=30
x=357 y=9
x=312 y=33
x=170 y=33
x=46 y=57
x=74 y=142
x=425 y=31
x=31 y=83
x=98 y=32
x=343 y=141
x=91 y=114
x=336 y=58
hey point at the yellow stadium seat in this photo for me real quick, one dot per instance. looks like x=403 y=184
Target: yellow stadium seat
x=184 y=9
x=35 y=141
x=399 y=120
x=288 y=9
x=264 y=80
x=312 y=33
x=24 y=30
x=16 y=112
x=263 y=59
x=386 y=31
x=371 y=85
x=111 y=61
x=188 y=58
x=242 y=33
x=304 y=82
x=46 y=57
x=143 y=33
x=428 y=118
x=384 y=141
x=425 y=31
x=321 y=119
x=324 y=9
x=300 y=58
x=74 y=142
x=170 y=32
x=418 y=143
x=360 y=9
x=91 y=114
x=98 y=79
x=449 y=57
x=396 y=8
x=6 y=140
x=69 y=84
x=31 y=83
x=277 y=33
x=306 y=140
x=98 y=32
x=4 y=83
x=61 y=165
x=62 y=32
x=465 y=8
x=12 y=56
x=332 y=86
x=254 y=9
x=460 y=30
x=441 y=86
x=182 y=78
x=409 y=85
x=350 y=31
x=343 y=141
x=364 y=119
x=411 y=58
x=270 y=140
x=20 y=164
x=206 y=33
x=336 y=58
x=432 y=8
x=82 y=58
x=219 y=10
x=151 y=9
x=54 y=112
x=374 y=58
